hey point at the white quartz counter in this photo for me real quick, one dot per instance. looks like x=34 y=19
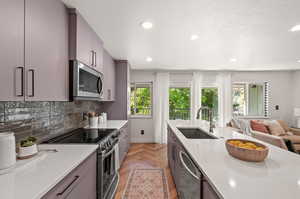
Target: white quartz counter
x=278 y=177
x=33 y=178
x=111 y=124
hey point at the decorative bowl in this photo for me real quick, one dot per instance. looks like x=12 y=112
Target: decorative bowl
x=247 y=150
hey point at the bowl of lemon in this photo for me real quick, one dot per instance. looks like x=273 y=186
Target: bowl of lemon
x=247 y=150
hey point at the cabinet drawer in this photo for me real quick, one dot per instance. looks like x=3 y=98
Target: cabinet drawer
x=77 y=180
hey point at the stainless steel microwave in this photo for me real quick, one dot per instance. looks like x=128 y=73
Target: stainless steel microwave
x=85 y=82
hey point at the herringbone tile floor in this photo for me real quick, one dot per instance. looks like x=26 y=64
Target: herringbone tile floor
x=145 y=156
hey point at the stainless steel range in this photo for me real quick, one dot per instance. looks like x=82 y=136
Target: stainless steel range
x=107 y=156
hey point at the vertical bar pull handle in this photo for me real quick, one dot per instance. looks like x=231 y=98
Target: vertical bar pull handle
x=95 y=58
x=32 y=82
x=19 y=90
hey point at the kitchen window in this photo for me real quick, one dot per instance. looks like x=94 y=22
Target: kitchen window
x=179 y=103
x=250 y=99
x=210 y=98
x=141 y=100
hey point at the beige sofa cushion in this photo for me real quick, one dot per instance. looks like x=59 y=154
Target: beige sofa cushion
x=295 y=139
x=284 y=125
x=276 y=129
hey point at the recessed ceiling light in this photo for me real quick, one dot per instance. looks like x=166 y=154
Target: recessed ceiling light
x=295 y=28
x=194 y=37
x=233 y=60
x=147 y=25
x=149 y=59
x=298 y=61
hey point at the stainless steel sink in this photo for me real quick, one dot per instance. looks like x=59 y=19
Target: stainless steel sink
x=195 y=133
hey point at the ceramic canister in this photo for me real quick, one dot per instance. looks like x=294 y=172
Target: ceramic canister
x=7 y=150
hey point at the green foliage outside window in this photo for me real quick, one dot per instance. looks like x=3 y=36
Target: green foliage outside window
x=179 y=103
x=209 y=98
x=140 y=102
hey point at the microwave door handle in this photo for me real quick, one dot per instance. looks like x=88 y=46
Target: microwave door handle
x=98 y=85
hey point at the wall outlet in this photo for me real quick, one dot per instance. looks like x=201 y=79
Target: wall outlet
x=142 y=132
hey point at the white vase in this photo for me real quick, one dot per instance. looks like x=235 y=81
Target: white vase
x=93 y=122
x=7 y=150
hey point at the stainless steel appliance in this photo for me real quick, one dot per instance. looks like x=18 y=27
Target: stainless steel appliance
x=107 y=171
x=85 y=82
x=190 y=178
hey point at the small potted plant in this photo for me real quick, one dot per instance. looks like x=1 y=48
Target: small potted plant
x=27 y=148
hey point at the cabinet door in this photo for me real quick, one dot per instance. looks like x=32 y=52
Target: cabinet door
x=84 y=41
x=46 y=50
x=98 y=50
x=11 y=50
x=109 y=71
x=208 y=192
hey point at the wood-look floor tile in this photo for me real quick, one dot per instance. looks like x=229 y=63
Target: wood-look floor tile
x=145 y=156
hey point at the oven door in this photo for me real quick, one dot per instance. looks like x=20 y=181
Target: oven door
x=87 y=82
x=107 y=173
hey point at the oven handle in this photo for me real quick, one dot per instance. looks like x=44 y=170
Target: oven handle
x=109 y=152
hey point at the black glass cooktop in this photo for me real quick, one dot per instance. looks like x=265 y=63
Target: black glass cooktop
x=82 y=136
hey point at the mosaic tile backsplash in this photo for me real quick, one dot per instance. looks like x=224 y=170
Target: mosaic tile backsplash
x=43 y=119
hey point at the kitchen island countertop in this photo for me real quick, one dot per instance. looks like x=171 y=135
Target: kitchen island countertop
x=278 y=177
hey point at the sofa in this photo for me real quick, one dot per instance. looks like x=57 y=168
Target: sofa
x=289 y=140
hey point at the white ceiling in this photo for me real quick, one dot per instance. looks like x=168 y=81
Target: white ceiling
x=255 y=32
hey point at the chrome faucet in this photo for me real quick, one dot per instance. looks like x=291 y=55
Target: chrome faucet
x=208 y=115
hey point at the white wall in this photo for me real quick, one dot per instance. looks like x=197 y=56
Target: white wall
x=280 y=90
x=138 y=124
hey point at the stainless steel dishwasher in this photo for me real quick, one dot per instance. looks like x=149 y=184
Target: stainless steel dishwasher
x=190 y=178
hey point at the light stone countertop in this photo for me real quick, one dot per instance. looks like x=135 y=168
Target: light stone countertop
x=278 y=177
x=33 y=178
x=111 y=124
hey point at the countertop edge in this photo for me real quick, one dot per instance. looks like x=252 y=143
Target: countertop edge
x=66 y=173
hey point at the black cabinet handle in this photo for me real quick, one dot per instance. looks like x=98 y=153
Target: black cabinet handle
x=22 y=82
x=72 y=182
x=32 y=82
x=95 y=57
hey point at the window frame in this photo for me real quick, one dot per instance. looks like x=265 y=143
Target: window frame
x=266 y=91
x=134 y=84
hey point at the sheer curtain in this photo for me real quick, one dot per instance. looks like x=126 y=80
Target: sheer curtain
x=161 y=106
x=224 y=83
x=196 y=94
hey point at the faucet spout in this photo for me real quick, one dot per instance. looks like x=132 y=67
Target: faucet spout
x=206 y=113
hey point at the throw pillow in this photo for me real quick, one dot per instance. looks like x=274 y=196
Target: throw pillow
x=259 y=126
x=276 y=129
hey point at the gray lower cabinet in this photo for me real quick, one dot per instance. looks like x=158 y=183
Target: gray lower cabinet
x=34 y=65
x=79 y=184
x=208 y=191
x=124 y=142
x=84 y=44
x=189 y=181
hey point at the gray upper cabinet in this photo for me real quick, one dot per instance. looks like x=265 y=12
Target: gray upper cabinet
x=84 y=43
x=46 y=50
x=34 y=65
x=12 y=50
x=109 y=71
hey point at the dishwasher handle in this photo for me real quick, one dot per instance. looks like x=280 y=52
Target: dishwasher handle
x=181 y=154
